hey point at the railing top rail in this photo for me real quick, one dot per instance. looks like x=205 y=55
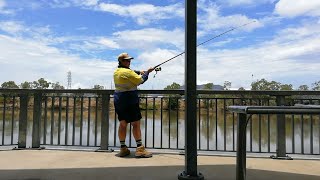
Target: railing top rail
x=180 y=92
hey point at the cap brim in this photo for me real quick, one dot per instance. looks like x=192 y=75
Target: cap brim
x=128 y=58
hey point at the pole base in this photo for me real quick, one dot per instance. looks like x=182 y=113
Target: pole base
x=184 y=176
x=281 y=157
x=37 y=148
x=104 y=150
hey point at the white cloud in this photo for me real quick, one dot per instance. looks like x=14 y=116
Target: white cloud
x=288 y=8
x=144 y=13
x=108 y=43
x=31 y=60
x=149 y=38
x=11 y=27
x=211 y=19
x=245 y=2
x=3 y=9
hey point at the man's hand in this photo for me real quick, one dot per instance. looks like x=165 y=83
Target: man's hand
x=150 y=69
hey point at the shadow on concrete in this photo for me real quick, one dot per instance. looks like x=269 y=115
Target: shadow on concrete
x=210 y=172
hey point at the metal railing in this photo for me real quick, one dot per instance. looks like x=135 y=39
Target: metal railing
x=33 y=118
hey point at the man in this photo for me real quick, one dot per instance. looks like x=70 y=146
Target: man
x=126 y=102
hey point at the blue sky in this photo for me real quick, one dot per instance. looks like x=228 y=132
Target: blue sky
x=48 y=38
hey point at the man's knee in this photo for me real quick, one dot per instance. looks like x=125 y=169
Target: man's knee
x=123 y=124
x=135 y=124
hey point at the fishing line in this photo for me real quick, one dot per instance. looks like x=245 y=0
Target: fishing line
x=157 y=68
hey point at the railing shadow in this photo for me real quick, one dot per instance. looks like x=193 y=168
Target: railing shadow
x=211 y=172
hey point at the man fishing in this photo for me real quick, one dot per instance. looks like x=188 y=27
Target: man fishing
x=126 y=102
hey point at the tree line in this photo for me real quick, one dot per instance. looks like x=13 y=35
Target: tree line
x=39 y=84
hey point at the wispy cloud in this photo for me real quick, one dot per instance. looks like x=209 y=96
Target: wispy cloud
x=143 y=14
x=299 y=8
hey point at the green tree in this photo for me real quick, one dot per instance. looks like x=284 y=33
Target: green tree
x=56 y=86
x=208 y=86
x=316 y=86
x=303 y=88
x=40 y=84
x=98 y=87
x=9 y=85
x=26 y=85
x=264 y=85
x=173 y=103
x=286 y=87
x=227 y=85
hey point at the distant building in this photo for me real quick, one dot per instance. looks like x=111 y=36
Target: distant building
x=201 y=87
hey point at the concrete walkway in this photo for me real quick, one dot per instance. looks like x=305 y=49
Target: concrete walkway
x=78 y=165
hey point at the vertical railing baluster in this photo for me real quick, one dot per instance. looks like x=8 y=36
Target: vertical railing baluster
x=251 y=132
x=177 y=123
x=74 y=120
x=216 y=123
x=146 y=123
x=302 y=131
x=169 y=122
x=260 y=127
x=233 y=134
x=52 y=119
x=67 y=122
x=96 y=123
x=269 y=129
x=224 y=125
x=45 y=120
x=81 y=120
x=199 y=123
x=161 y=114
x=12 y=118
x=59 y=119
x=4 y=117
x=153 y=122
x=208 y=106
x=88 y=132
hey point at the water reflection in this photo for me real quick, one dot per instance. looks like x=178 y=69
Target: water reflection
x=215 y=131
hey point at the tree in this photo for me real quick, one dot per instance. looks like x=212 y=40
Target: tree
x=303 y=88
x=56 y=86
x=173 y=103
x=316 y=86
x=241 y=89
x=286 y=87
x=98 y=87
x=208 y=86
x=9 y=85
x=26 y=85
x=227 y=85
x=40 y=84
x=173 y=86
x=264 y=85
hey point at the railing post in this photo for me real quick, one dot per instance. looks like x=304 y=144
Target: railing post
x=36 y=120
x=23 y=116
x=281 y=132
x=104 y=144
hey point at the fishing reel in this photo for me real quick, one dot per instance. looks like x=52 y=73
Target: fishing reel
x=156 y=69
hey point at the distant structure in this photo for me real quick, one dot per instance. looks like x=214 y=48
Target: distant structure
x=69 y=80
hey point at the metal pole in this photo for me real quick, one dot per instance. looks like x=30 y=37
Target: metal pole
x=281 y=132
x=104 y=144
x=190 y=93
x=36 y=120
x=23 y=121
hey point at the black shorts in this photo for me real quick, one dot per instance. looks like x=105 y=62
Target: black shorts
x=128 y=112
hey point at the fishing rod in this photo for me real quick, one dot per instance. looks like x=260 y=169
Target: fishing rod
x=158 y=68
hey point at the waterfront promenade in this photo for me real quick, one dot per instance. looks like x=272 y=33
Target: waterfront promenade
x=74 y=165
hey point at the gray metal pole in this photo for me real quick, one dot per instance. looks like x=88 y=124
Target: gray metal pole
x=190 y=92
x=104 y=145
x=23 y=121
x=36 y=120
x=281 y=132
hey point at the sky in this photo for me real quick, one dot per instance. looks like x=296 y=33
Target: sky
x=48 y=38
